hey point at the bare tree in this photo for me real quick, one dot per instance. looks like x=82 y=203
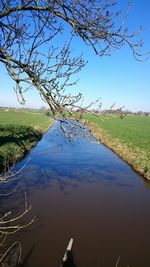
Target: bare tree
x=28 y=29
x=27 y=38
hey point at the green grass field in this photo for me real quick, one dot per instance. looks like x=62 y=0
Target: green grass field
x=128 y=137
x=19 y=131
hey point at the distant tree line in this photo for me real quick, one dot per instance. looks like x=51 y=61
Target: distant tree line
x=123 y=112
x=95 y=111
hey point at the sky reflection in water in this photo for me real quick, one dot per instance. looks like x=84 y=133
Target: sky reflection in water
x=79 y=188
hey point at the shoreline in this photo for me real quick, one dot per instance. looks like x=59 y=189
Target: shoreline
x=133 y=156
x=12 y=158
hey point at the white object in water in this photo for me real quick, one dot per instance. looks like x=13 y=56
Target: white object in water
x=69 y=247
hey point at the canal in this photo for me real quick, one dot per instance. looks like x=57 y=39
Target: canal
x=80 y=189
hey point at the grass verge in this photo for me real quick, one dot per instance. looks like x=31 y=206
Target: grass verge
x=129 y=138
x=19 y=131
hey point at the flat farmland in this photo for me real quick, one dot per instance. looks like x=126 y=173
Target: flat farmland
x=19 y=131
x=128 y=137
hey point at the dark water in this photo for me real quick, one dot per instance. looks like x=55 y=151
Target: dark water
x=80 y=189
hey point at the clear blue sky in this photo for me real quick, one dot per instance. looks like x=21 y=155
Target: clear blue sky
x=117 y=78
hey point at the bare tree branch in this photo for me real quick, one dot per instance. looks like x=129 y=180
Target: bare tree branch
x=11 y=223
x=12 y=255
x=27 y=37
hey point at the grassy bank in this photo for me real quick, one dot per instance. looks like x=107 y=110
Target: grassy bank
x=128 y=137
x=19 y=131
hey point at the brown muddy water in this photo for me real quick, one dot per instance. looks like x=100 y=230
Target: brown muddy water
x=81 y=189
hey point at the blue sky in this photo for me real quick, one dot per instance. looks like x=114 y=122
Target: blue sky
x=117 y=78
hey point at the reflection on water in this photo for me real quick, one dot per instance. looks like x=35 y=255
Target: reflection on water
x=80 y=189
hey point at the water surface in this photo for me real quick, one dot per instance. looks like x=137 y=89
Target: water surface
x=81 y=189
